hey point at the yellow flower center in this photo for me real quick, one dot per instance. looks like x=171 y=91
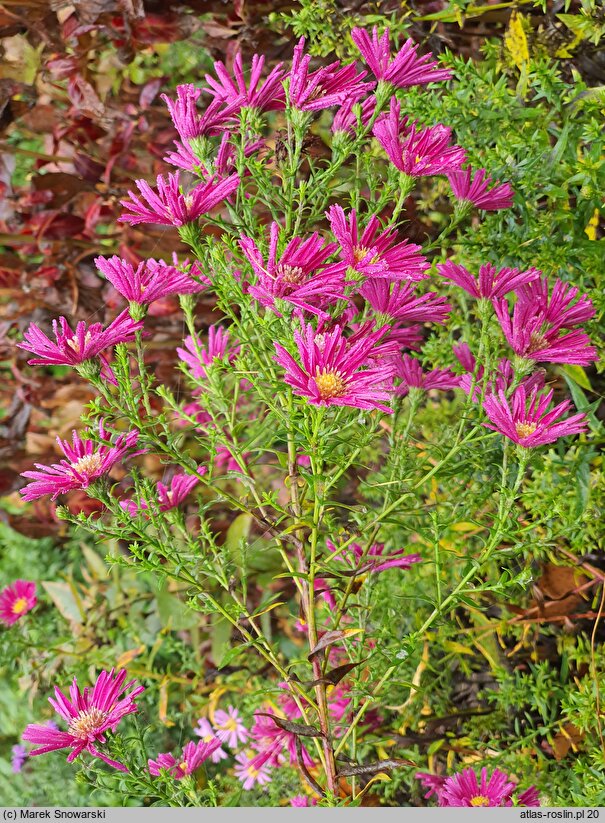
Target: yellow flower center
x=525 y=429
x=360 y=253
x=330 y=384
x=537 y=341
x=20 y=605
x=75 y=345
x=480 y=800
x=88 y=464
x=183 y=766
x=229 y=725
x=87 y=723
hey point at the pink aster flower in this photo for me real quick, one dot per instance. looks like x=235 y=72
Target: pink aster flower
x=335 y=372
x=267 y=95
x=500 y=380
x=405 y=69
x=297 y=275
x=416 y=151
x=432 y=782
x=302 y=801
x=373 y=253
x=151 y=280
x=409 y=370
x=89 y=714
x=532 y=337
x=530 y=797
x=490 y=282
x=74 y=347
x=169 y=206
x=223 y=164
x=464 y=790
x=194 y=754
x=206 y=732
x=167 y=497
x=399 y=301
x=346 y=119
x=524 y=418
x=229 y=727
x=475 y=190
x=271 y=742
x=328 y=86
x=249 y=774
x=189 y=121
x=560 y=308
x=16 y=600
x=199 y=356
x=86 y=461
x=376 y=559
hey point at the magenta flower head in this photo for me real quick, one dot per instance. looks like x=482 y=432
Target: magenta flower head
x=89 y=714
x=560 y=309
x=465 y=790
x=410 y=372
x=335 y=372
x=199 y=356
x=346 y=119
x=372 y=253
x=19 y=756
x=249 y=774
x=490 y=283
x=399 y=301
x=188 y=120
x=206 y=732
x=376 y=559
x=75 y=347
x=267 y=95
x=432 y=782
x=302 y=801
x=150 y=281
x=532 y=337
x=475 y=190
x=166 y=497
x=169 y=206
x=194 y=754
x=86 y=461
x=229 y=727
x=415 y=151
x=16 y=601
x=328 y=86
x=524 y=418
x=296 y=276
x=405 y=69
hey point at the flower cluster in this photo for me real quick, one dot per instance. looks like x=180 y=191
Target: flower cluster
x=464 y=789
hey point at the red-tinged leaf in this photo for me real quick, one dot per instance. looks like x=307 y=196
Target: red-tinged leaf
x=331 y=637
x=84 y=97
x=333 y=678
x=150 y=91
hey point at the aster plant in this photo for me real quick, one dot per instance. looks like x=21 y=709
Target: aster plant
x=303 y=384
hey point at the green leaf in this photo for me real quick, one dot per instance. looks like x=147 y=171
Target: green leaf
x=174 y=614
x=65 y=598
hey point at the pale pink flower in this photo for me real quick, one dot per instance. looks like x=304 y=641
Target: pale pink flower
x=229 y=727
x=249 y=774
x=89 y=714
x=16 y=600
x=405 y=69
x=169 y=206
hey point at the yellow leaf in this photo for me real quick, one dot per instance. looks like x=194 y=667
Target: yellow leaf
x=452 y=646
x=163 y=704
x=464 y=527
x=591 y=229
x=515 y=40
x=128 y=656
